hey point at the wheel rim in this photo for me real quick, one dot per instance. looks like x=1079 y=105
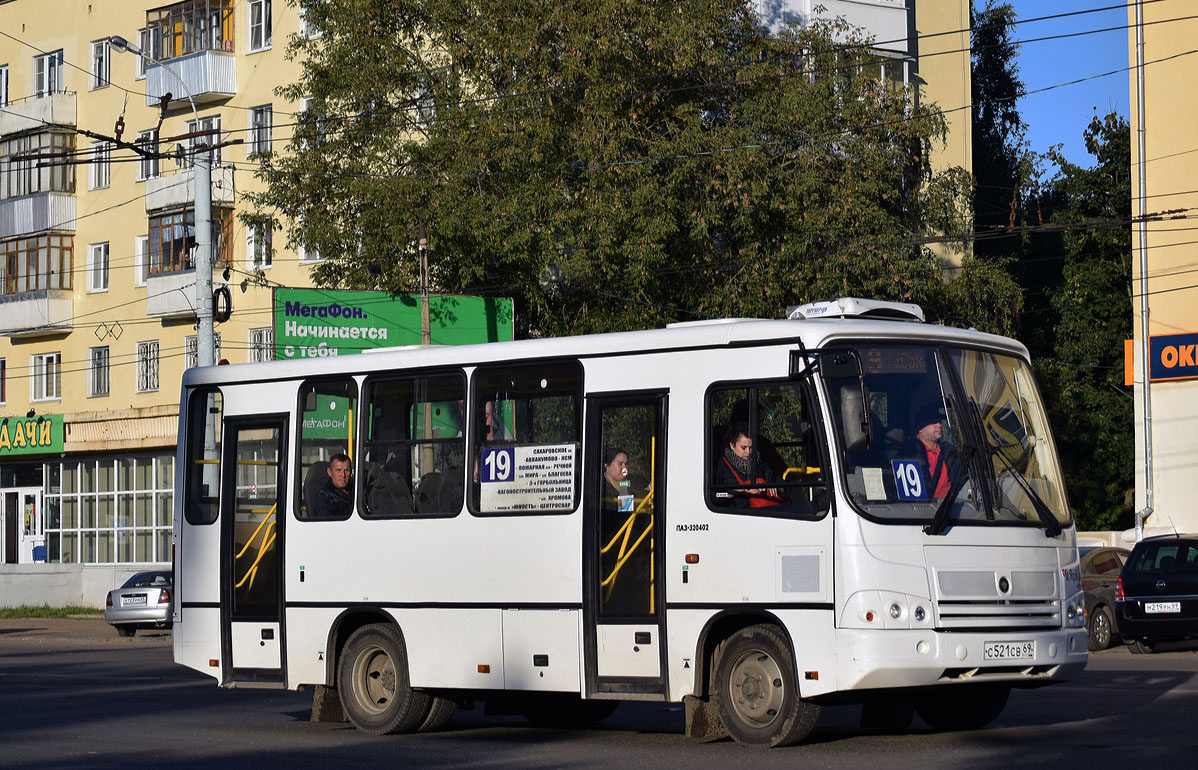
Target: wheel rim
x=756 y=688
x=1102 y=629
x=374 y=680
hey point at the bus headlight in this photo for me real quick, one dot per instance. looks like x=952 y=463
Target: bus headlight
x=1075 y=611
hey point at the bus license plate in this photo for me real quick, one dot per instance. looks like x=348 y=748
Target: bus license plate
x=1009 y=650
x=1155 y=607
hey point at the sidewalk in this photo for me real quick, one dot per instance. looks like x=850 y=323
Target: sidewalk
x=91 y=631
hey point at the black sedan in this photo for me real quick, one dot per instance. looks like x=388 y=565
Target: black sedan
x=1100 y=581
x=1158 y=592
x=144 y=601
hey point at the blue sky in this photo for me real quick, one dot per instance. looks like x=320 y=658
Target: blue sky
x=1059 y=116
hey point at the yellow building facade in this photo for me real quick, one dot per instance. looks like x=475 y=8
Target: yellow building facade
x=1170 y=198
x=97 y=285
x=97 y=292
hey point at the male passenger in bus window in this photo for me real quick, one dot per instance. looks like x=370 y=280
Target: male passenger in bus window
x=336 y=498
x=934 y=454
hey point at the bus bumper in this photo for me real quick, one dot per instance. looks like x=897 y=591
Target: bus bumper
x=916 y=658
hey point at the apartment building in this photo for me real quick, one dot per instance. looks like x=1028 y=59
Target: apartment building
x=97 y=319
x=1170 y=165
x=97 y=285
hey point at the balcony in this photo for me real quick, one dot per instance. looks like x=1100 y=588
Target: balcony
x=171 y=295
x=36 y=313
x=178 y=190
x=210 y=76
x=37 y=213
x=30 y=113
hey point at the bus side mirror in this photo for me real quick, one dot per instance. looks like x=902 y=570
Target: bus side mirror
x=858 y=428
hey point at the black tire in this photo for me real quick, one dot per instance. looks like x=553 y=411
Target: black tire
x=439 y=713
x=756 y=690
x=1141 y=646
x=563 y=710
x=125 y=630
x=1100 y=629
x=372 y=678
x=962 y=707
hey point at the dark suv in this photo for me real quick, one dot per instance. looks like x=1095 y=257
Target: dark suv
x=1158 y=592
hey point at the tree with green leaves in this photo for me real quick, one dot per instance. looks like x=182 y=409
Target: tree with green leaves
x=613 y=165
x=1089 y=406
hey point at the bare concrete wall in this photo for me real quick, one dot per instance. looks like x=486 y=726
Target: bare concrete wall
x=64 y=585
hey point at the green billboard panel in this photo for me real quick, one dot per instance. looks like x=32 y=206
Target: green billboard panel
x=42 y=434
x=315 y=323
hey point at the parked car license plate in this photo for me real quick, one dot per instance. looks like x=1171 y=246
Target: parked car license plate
x=1157 y=607
x=137 y=600
x=1023 y=650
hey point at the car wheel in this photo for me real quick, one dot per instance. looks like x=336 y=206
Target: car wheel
x=1099 y=637
x=756 y=691
x=372 y=678
x=1141 y=647
x=962 y=707
x=565 y=710
x=126 y=630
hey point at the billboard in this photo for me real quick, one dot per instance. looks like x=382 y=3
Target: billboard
x=42 y=434
x=315 y=323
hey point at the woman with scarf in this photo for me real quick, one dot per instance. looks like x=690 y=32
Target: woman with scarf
x=740 y=466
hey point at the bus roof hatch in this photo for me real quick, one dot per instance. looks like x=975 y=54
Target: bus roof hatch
x=852 y=307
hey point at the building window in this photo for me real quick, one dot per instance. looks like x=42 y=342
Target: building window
x=46 y=383
x=306 y=28
x=151 y=45
x=190 y=27
x=48 y=73
x=147 y=366
x=3 y=85
x=109 y=509
x=258 y=246
x=210 y=123
x=101 y=65
x=172 y=240
x=141 y=263
x=191 y=350
x=97 y=267
x=101 y=168
x=36 y=263
x=23 y=173
x=147 y=167
x=97 y=371
x=262 y=344
x=259 y=24
x=261 y=124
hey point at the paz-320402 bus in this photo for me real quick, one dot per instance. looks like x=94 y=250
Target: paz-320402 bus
x=754 y=517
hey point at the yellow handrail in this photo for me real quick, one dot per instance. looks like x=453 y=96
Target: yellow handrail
x=252 y=572
x=269 y=515
x=268 y=539
x=805 y=471
x=625 y=530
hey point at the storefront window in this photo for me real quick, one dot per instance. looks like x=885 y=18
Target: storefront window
x=110 y=510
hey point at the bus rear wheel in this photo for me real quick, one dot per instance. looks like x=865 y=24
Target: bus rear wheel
x=756 y=690
x=962 y=707
x=373 y=680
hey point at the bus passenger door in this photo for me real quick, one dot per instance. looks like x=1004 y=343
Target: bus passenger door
x=252 y=524
x=625 y=519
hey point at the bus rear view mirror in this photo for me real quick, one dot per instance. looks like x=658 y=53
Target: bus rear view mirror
x=840 y=365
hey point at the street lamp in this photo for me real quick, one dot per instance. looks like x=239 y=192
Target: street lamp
x=202 y=183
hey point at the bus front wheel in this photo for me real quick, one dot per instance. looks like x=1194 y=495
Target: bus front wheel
x=372 y=679
x=756 y=691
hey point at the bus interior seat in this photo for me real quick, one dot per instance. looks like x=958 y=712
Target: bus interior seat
x=314 y=479
x=387 y=493
x=439 y=493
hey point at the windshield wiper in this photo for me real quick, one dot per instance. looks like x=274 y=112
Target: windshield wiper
x=939 y=521
x=1052 y=527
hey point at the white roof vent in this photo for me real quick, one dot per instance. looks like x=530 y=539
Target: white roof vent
x=851 y=307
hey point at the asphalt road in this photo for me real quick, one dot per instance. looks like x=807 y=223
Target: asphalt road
x=73 y=694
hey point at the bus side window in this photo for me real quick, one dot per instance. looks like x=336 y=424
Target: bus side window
x=328 y=411
x=526 y=438
x=202 y=477
x=413 y=452
x=763 y=451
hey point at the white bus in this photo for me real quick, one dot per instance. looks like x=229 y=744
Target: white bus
x=753 y=517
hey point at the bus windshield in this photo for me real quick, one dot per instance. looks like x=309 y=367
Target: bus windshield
x=944 y=436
